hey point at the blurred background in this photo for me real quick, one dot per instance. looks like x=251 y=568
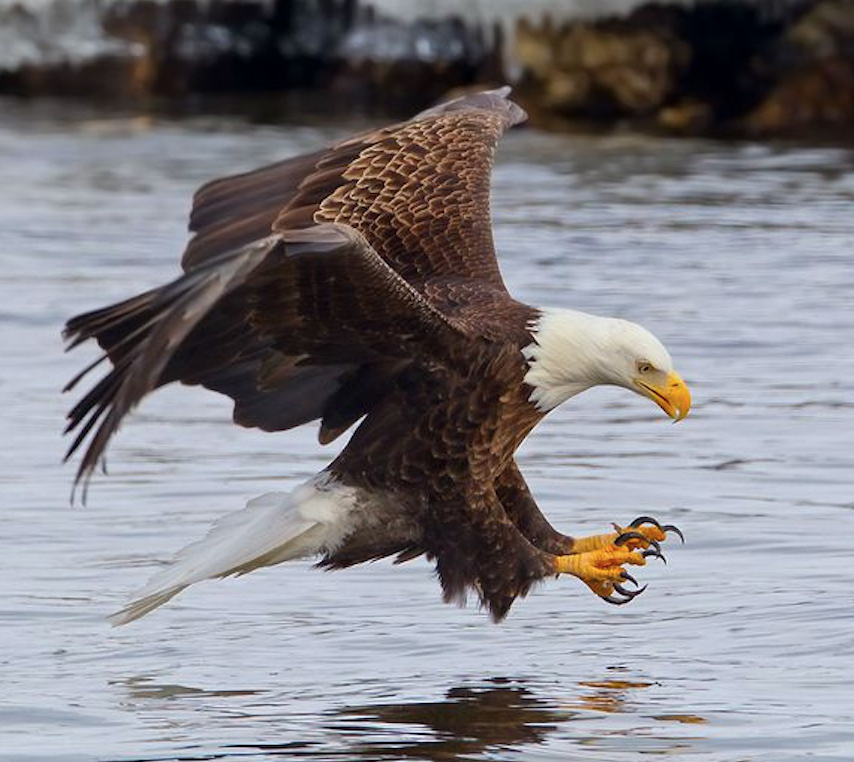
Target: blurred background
x=687 y=165
x=736 y=67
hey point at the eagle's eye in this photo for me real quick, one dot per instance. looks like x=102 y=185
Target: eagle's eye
x=645 y=367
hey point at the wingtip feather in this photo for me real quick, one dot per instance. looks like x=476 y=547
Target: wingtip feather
x=139 y=608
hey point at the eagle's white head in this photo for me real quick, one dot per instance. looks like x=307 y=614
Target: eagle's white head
x=573 y=351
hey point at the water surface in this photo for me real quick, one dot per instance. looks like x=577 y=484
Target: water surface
x=737 y=255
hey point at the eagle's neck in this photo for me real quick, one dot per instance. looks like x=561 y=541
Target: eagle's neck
x=570 y=354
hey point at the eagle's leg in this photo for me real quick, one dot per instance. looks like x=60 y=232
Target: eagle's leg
x=478 y=549
x=522 y=510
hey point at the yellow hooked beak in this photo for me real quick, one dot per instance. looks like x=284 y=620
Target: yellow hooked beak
x=673 y=396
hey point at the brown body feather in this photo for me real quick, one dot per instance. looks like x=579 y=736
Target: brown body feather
x=401 y=317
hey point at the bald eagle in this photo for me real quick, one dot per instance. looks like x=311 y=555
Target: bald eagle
x=360 y=283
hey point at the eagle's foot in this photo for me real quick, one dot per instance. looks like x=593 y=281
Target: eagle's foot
x=601 y=570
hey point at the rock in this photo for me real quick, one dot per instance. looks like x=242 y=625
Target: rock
x=817 y=98
x=534 y=48
x=811 y=72
x=689 y=116
x=613 y=68
x=824 y=31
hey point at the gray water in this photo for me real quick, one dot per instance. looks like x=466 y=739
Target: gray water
x=737 y=255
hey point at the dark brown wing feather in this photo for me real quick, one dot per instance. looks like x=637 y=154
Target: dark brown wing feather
x=300 y=325
x=418 y=192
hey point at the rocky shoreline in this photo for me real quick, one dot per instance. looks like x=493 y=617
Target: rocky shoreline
x=764 y=68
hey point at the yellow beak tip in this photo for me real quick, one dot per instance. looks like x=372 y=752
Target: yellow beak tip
x=673 y=397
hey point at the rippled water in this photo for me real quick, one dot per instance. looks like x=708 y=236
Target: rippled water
x=738 y=255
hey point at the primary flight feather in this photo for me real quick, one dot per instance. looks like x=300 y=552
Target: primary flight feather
x=361 y=282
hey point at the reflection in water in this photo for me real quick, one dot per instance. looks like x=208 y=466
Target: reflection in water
x=469 y=721
x=607 y=696
x=509 y=716
x=141 y=688
x=684 y=719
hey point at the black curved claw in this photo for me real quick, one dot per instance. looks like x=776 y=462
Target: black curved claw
x=629 y=593
x=615 y=601
x=654 y=554
x=629 y=578
x=641 y=520
x=626 y=536
x=676 y=530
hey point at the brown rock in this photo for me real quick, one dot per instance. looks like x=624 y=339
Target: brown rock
x=812 y=75
x=567 y=91
x=605 y=68
x=534 y=47
x=820 y=96
x=688 y=116
x=827 y=30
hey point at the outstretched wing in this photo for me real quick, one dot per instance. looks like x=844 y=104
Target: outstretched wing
x=300 y=325
x=417 y=191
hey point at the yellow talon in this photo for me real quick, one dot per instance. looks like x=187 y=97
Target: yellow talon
x=598 y=565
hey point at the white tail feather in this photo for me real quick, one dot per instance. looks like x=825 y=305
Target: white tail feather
x=272 y=528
